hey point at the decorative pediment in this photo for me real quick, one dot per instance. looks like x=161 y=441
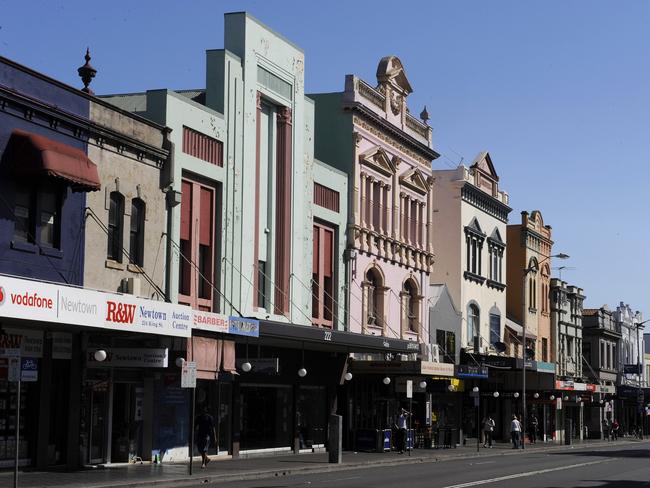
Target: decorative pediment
x=483 y=162
x=496 y=236
x=415 y=180
x=391 y=71
x=475 y=228
x=379 y=160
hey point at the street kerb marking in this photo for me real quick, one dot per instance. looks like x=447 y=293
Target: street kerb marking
x=524 y=475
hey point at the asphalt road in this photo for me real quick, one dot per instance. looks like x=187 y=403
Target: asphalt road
x=618 y=467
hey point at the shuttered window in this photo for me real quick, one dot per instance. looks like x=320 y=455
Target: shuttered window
x=326 y=197
x=203 y=147
x=197 y=238
x=323 y=276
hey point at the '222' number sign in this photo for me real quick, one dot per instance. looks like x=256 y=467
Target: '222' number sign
x=328 y=335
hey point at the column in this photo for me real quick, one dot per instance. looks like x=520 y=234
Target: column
x=430 y=230
x=423 y=226
x=354 y=210
x=382 y=207
x=362 y=213
x=389 y=213
x=283 y=210
x=407 y=219
x=256 y=235
x=371 y=202
x=396 y=207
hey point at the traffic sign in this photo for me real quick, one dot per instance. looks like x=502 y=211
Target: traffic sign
x=409 y=388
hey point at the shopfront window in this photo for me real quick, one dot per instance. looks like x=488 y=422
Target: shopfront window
x=311 y=416
x=266 y=416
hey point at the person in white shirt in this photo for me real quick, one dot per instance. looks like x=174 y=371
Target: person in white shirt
x=401 y=430
x=515 y=432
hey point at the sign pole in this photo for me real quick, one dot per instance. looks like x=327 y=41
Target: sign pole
x=410 y=431
x=17 y=434
x=192 y=428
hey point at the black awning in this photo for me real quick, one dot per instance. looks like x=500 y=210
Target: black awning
x=335 y=340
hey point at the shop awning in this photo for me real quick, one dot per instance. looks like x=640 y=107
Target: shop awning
x=31 y=155
x=519 y=330
x=292 y=335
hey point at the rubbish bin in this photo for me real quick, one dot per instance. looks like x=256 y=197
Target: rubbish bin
x=366 y=440
x=568 y=431
x=386 y=439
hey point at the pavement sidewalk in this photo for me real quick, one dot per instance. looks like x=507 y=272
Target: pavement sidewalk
x=226 y=469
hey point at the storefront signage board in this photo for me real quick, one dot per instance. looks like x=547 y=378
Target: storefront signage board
x=467 y=371
x=430 y=368
x=214 y=322
x=262 y=365
x=243 y=326
x=131 y=358
x=46 y=302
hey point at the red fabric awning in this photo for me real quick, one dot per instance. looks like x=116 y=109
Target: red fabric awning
x=32 y=155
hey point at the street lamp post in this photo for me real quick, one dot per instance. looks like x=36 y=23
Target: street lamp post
x=527 y=270
x=639 y=403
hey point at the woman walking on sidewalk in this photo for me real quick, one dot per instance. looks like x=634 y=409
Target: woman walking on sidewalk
x=488 y=429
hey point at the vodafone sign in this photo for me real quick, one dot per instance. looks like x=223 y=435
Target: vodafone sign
x=33 y=300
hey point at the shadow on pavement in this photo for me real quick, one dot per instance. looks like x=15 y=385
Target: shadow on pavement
x=621 y=453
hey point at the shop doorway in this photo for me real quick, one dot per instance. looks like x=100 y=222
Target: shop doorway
x=97 y=414
x=126 y=435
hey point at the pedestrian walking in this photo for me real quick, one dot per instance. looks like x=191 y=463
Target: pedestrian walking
x=605 y=425
x=488 y=429
x=401 y=430
x=515 y=432
x=205 y=432
x=533 y=424
x=615 y=429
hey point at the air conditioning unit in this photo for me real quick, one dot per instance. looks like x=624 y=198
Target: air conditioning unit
x=131 y=286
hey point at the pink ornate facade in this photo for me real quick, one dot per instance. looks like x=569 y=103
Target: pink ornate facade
x=390 y=230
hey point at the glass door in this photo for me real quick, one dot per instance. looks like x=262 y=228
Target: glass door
x=98 y=410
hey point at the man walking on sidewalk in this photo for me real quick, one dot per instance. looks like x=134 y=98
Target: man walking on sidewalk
x=515 y=432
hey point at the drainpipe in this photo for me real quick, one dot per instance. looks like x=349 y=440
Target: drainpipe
x=172 y=198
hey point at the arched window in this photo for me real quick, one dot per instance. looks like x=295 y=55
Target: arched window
x=473 y=321
x=411 y=307
x=115 y=226
x=375 y=298
x=136 y=235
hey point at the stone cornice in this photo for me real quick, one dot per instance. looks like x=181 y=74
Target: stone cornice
x=421 y=150
x=75 y=126
x=485 y=203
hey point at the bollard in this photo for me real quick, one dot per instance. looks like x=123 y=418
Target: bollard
x=335 y=439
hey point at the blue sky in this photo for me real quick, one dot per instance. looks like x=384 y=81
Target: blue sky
x=557 y=91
